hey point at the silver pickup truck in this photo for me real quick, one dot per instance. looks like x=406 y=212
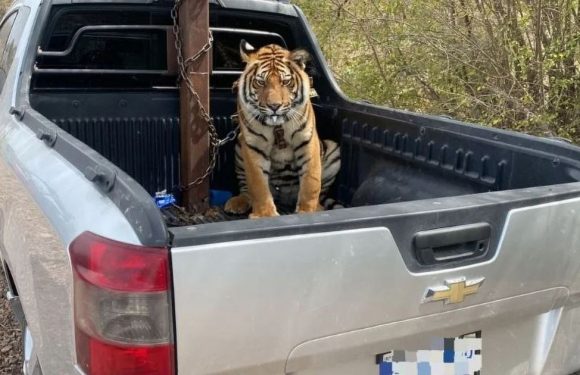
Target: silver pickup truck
x=449 y=228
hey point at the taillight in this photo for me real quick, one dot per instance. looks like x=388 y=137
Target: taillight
x=123 y=318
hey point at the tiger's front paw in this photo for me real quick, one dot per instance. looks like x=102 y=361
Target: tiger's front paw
x=238 y=205
x=307 y=207
x=267 y=211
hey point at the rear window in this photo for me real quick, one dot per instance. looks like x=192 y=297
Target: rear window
x=113 y=50
x=128 y=48
x=125 y=47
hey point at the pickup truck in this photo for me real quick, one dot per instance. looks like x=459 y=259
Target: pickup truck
x=448 y=228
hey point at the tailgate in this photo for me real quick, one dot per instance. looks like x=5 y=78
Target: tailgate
x=330 y=302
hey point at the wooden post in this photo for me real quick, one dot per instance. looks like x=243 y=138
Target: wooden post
x=194 y=23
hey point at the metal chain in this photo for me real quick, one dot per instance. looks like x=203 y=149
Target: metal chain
x=184 y=66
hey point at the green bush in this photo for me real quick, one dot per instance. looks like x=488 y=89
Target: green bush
x=509 y=64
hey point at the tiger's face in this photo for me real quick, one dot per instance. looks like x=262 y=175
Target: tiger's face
x=274 y=87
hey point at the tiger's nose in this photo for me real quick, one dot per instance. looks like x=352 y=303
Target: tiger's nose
x=275 y=106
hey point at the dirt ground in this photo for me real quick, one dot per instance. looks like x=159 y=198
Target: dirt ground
x=4 y=5
x=10 y=345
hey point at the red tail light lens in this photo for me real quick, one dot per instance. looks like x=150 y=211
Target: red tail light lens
x=106 y=358
x=123 y=316
x=112 y=265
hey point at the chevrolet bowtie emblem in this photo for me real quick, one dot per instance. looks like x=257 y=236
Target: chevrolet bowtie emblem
x=454 y=291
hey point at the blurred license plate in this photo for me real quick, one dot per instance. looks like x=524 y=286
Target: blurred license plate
x=460 y=355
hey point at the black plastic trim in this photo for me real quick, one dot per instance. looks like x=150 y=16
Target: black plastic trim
x=452 y=243
x=452 y=235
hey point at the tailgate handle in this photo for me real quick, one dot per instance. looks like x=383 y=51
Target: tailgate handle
x=452 y=244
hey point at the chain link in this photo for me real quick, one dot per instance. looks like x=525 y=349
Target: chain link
x=184 y=66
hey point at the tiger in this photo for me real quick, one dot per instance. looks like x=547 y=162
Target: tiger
x=278 y=155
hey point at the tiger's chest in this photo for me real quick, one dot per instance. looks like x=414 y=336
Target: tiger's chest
x=285 y=139
x=278 y=143
x=284 y=169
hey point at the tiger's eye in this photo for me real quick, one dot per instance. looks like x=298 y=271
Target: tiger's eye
x=286 y=81
x=260 y=81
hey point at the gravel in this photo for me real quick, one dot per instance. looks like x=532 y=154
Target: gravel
x=10 y=339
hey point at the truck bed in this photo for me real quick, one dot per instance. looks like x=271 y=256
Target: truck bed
x=388 y=156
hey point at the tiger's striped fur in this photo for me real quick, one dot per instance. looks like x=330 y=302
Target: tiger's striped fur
x=292 y=168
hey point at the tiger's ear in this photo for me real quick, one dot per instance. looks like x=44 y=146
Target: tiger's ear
x=246 y=50
x=300 y=57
